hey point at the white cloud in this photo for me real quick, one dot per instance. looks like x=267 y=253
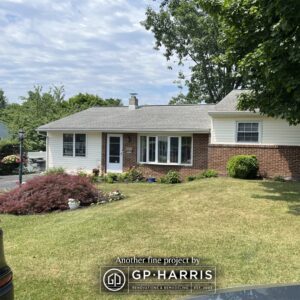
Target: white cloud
x=95 y=46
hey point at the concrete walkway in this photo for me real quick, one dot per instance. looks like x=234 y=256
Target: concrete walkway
x=8 y=182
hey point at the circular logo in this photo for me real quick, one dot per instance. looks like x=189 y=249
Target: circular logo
x=114 y=280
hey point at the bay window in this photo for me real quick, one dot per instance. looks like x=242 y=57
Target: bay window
x=186 y=143
x=162 y=149
x=152 y=149
x=143 y=149
x=176 y=150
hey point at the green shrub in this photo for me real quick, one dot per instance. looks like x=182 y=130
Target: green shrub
x=91 y=176
x=111 y=177
x=109 y=180
x=133 y=175
x=209 y=174
x=279 y=178
x=171 y=177
x=122 y=177
x=191 y=178
x=243 y=166
x=206 y=174
x=96 y=179
x=8 y=147
x=9 y=164
x=55 y=171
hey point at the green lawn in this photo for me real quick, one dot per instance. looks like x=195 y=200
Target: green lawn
x=249 y=229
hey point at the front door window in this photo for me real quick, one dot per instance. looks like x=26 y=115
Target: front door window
x=114 y=149
x=114 y=153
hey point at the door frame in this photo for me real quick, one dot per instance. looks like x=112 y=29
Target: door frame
x=107 y=152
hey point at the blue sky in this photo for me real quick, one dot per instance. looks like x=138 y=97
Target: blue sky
x=94 y=46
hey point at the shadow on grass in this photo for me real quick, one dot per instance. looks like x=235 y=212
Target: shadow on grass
x=282 y=191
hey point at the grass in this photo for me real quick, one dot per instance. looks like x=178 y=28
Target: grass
x=249 y=229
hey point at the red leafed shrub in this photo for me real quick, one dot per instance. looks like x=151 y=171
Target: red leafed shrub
x=48 y=193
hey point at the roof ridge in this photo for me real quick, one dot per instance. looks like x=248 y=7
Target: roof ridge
x=156 y=105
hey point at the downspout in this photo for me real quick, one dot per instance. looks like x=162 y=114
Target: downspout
x=47 y=151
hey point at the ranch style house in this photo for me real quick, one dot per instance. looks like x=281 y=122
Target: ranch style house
x=184 y=138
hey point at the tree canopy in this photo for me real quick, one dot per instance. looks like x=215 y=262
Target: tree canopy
x=39 y=107
x=235 y=44
x=84 y=101
x=262 y=38
x=191 y=35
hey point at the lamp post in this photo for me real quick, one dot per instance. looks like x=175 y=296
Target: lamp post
x=21 y=140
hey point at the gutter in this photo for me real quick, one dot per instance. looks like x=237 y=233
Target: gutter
x=233 y=113
x=187 y=130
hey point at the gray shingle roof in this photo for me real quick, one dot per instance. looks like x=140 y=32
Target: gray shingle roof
x=230 y=101
x=185 y=118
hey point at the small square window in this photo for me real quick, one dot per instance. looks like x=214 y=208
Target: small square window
x=248 y=132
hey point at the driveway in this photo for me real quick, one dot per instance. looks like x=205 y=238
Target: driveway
x=12 y=181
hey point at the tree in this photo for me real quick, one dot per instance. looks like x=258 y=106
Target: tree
x=83 y=101
x=36 y=109
x=59 y=93
x=184 y=30
x=262 y=38
x=3 y=100
x=39 y=108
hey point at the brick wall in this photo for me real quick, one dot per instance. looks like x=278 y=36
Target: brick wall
x=273 y=160
x=129 y=151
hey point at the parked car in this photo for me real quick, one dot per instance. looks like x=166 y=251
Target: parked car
x=6 y=275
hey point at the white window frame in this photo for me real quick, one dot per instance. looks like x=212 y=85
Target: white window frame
x=74 y=142
x=248 y=121
x=168 y=163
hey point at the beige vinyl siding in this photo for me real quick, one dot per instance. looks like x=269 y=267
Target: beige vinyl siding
x=91 y=160
x=272 y=131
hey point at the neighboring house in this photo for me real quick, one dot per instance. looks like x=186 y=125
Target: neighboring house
x=185 y=138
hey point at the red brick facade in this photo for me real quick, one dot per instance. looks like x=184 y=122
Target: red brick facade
x=273 y=160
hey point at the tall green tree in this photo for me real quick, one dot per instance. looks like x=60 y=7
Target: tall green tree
x=186 y=32
x=3 y=99
x=84 y=101
x=262 y=38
